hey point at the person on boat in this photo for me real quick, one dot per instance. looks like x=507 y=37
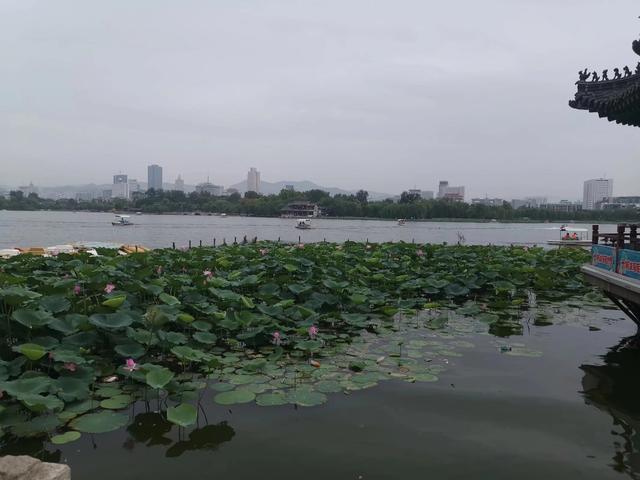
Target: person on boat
x=574 y=236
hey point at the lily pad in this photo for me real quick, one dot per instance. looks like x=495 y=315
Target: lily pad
x=183 y=415
x=306 y=398
x=101 y=422
x=277 y=397
x=234 y=397
x=65 y=438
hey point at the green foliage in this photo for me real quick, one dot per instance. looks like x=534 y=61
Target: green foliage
x=358 y=205
x=169 y=331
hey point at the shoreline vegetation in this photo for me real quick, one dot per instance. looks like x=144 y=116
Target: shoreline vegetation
x=88 y=337
x=351 y=207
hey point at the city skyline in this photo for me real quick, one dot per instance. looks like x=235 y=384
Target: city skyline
x=381 y=97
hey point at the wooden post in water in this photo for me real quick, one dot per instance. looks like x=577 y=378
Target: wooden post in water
x=189 y=244
x=173 y=245
x=200 y=243
x=595 y=234
x=235 y=240
x=214 y=241
x=224 y=241
x=299 y=239
x=278 y=239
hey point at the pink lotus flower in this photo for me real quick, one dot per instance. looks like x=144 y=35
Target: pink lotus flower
x=159 y=270
x=420 y=253
x=130 y=365
x=264 y=251
x=70 y=366
x=313 y=331
x=77 y=289
x=109 y=287
x=208 y=274
x=276 y=338
x=300 y=245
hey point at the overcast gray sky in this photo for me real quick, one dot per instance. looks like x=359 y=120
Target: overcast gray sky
x=376 y=94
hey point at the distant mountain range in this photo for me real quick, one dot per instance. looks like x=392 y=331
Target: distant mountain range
x=269 y=188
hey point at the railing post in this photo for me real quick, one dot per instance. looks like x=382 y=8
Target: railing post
x=633 y=236
x=595 y=233
x=621 y=229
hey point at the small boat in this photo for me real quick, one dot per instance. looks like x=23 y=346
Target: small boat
x=138 y=213
x=223 y=215
x=572 y=237
x=401 y=221
x=121 y=221
x=303 y=224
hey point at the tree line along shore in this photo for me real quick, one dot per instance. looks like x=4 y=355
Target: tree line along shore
x=337 y=206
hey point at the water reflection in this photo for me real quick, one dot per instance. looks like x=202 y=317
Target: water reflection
x=614 y=388
x=152 y=429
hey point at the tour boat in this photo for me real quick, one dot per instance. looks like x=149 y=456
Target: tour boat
x=303 y=224
x=401 y=221
x=121 y=221
x=572 y=237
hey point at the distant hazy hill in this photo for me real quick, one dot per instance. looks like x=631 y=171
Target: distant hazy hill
x=269 y=188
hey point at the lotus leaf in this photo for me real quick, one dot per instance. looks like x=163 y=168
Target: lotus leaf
x=183 y=415
x=101 y=422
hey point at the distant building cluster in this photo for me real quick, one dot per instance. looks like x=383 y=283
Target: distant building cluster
x=447 y=192
x=597 y=193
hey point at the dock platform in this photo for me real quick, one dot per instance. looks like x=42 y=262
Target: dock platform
x=615 y=268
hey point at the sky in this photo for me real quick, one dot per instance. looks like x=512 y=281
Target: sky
x=375 y=94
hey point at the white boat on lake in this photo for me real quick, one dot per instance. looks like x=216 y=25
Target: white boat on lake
x=122 y=221
x=303 y=224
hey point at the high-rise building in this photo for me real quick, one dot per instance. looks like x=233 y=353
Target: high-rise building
x=253 y=180
x=120 y=188
x=442 y=188
x=154 y=177
x=596 y=191
x=134 y=187
x=179 y=185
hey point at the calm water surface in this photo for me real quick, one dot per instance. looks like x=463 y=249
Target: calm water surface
x=571 y=413
x=25 y=229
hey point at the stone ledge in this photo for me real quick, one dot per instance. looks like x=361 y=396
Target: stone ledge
x=24 y=467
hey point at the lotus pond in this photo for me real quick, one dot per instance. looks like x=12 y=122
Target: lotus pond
x=149 y=342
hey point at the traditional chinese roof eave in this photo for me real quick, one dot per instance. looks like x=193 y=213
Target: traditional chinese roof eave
x=616 y=99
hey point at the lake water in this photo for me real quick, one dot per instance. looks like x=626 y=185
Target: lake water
x=573 y=412
x=24 y=229
x=566 y=407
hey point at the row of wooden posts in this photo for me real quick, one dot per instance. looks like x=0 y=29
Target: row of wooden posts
x=253 y=240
